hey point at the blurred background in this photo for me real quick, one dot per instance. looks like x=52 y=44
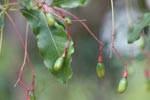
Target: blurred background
x=84 y=85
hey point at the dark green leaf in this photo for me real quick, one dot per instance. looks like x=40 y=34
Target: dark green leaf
x=69 y=3
x=27 y=3
x=135 y=34
x=51 y=42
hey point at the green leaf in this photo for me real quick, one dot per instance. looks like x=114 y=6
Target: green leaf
x=27 y=3
x=135 y=34
x=69 y=3
x=51 y=42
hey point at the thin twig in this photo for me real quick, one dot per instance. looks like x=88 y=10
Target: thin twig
x=23 y=85
x=112 y=39
x=25 y=56
x=21 y=39
x=84 y=25
x=125 y=74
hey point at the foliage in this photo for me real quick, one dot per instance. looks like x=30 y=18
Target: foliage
x=138 y=28
x=51 y=40
x=50 y=25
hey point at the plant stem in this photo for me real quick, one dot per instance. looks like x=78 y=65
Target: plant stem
x=23 y=85
x=68 y=32
x=28 y=95
x=125 y=73
x=100 y=54
x=62 y=11
x=69 y=39
x=61 y=16
x=25 y=56
x=22 y=42
x=24 y=61
x=113 y=23
x=84 y=25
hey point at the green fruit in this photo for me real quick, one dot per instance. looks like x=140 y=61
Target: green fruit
x=50 y=19
x=141 y=43
x=122 y=85
x=58 y=64
x=32 y=96
x=68 y=21
x=100 y=70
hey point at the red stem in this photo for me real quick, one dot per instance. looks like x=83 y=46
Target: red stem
x=28 y=96
x=62 y=16
x=91 y=33
x=26 y=89
x=21 y=39
x=25 y=56
x=100 y=54
x=60 y=12
x=69 y=39
x=23 y=85
x=85 y=26
x=59 y=17
x=125 y=73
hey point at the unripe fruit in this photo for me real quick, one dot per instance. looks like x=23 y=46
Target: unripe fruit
x=58 y=64
x=122 y=85
x=50 y=19
x=32 y=96
x=68 y=21
x=100 y=70
x=141 y=43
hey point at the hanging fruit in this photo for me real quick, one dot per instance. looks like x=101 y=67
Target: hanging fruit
x=100 y=70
